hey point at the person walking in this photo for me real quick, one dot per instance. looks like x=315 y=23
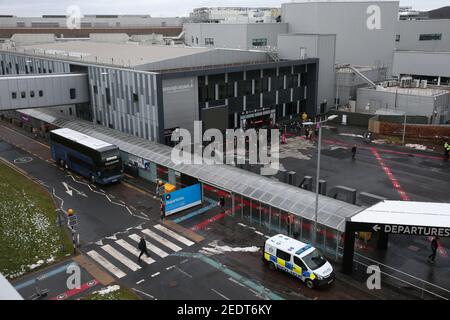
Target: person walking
x=222 y=203
x=143 y=247
x=446 y=151
x=354 y=152
x=434 y=246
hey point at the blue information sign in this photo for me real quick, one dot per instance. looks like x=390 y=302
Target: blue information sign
x=183 y=199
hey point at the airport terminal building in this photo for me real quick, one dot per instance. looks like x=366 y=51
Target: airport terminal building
x=148 y=91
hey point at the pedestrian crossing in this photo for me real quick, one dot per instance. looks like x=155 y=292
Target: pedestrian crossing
x=120 y=256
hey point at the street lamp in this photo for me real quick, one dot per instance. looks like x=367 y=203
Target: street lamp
x=319 y=147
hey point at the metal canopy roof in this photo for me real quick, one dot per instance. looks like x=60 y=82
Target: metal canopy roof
x=332 y=212
x=427 y=214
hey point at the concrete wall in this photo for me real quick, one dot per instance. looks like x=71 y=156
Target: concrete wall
x=180 y=98
x=229 y=35
x=355 y=42
x=410 y=31
x=435 y=64
x=419 y=105
x=31 y=91
x=318 y=46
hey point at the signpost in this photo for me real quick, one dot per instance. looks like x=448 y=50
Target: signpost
x=72 y=221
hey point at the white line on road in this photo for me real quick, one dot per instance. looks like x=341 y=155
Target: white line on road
x=156 y=274
x=140 y=281
x=183 y=272
x=260 y=233
x=174 y=235
x=242 y=225
x=162 y=240
x=142 y=292
x=106 y=264
x=215 y=291
x=119 y=256
x=171 y=267
x=134 y=251
x=150 y=246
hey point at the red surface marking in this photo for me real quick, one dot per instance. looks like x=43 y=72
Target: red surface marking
x=72 y=292
x=391 y=177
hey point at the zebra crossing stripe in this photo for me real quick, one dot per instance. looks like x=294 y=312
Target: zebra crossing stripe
x=162 y=240
x=106 y=264
x=174 y=235
x=150 y=246
x=119 y=256
x=134 y=251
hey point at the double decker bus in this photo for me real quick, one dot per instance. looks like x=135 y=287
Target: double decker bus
x=92 y=158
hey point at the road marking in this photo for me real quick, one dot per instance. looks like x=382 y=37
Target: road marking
x=156 y=274
x=260 y=233
x=119 y=256
x=174 y=235
x=215 y=291
x=143 y=293
x=72 y=292
x=140 y=281
x=171 y=267
x=183 y=272
x=106 y=264
x=150 y=246
x=162 y=240
x=46 y=275
x=134 y=251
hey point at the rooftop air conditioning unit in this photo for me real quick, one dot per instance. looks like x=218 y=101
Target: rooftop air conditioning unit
x=302 y=53
x=423 y=84
x=416 y=83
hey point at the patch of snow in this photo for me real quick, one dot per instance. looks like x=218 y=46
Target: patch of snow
x=351 y=135
x=107 y=290
x=416 y=146
x=214 y=248
x=379 y=141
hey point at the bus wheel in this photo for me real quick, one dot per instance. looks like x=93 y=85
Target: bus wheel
x=309 y=283
x=272 y=266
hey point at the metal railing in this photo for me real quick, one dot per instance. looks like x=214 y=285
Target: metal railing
x=421 y=286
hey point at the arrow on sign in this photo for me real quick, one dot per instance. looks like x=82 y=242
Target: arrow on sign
x=376 y=228
x=70 y=189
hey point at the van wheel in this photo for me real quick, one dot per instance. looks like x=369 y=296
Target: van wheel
x=272 y=266
x=309 y=283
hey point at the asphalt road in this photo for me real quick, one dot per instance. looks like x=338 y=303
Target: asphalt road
x=109 y=216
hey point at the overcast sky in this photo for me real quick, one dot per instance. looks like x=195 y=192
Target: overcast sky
x=156 y=8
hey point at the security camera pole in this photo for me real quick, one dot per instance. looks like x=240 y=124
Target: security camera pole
x=319 y=147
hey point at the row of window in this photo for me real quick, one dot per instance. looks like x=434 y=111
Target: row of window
x=424 y=37
x=23 y=94
x=258 y=42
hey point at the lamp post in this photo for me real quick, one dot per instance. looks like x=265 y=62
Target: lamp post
x=319 y=147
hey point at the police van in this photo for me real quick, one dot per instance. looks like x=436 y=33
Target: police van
x=299 y=259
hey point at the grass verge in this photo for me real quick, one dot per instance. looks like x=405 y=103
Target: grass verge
x=29 y=235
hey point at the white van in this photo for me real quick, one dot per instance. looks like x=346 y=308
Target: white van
x=299 y=259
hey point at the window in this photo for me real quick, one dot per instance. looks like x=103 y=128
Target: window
x=70 y=111
x=41 y=93
x=95 y=90
x=431 y=36
x=14 y=95
x=259 y=42
x=72 y=93
x=32 y=94
x=244 y=87
x=192 y=39
x=283 y=255
x=209 y=41
x=108 y=96
x=23 y=94
x=196 y=40
x=135 y=97
x=314 y=260
x=397 y=38
x=299 y=263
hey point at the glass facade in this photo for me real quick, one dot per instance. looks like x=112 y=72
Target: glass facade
x=281 y=89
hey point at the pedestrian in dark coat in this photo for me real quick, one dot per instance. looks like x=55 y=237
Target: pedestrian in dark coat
x=143 y=247
x=434 y=246
x=354 y=152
